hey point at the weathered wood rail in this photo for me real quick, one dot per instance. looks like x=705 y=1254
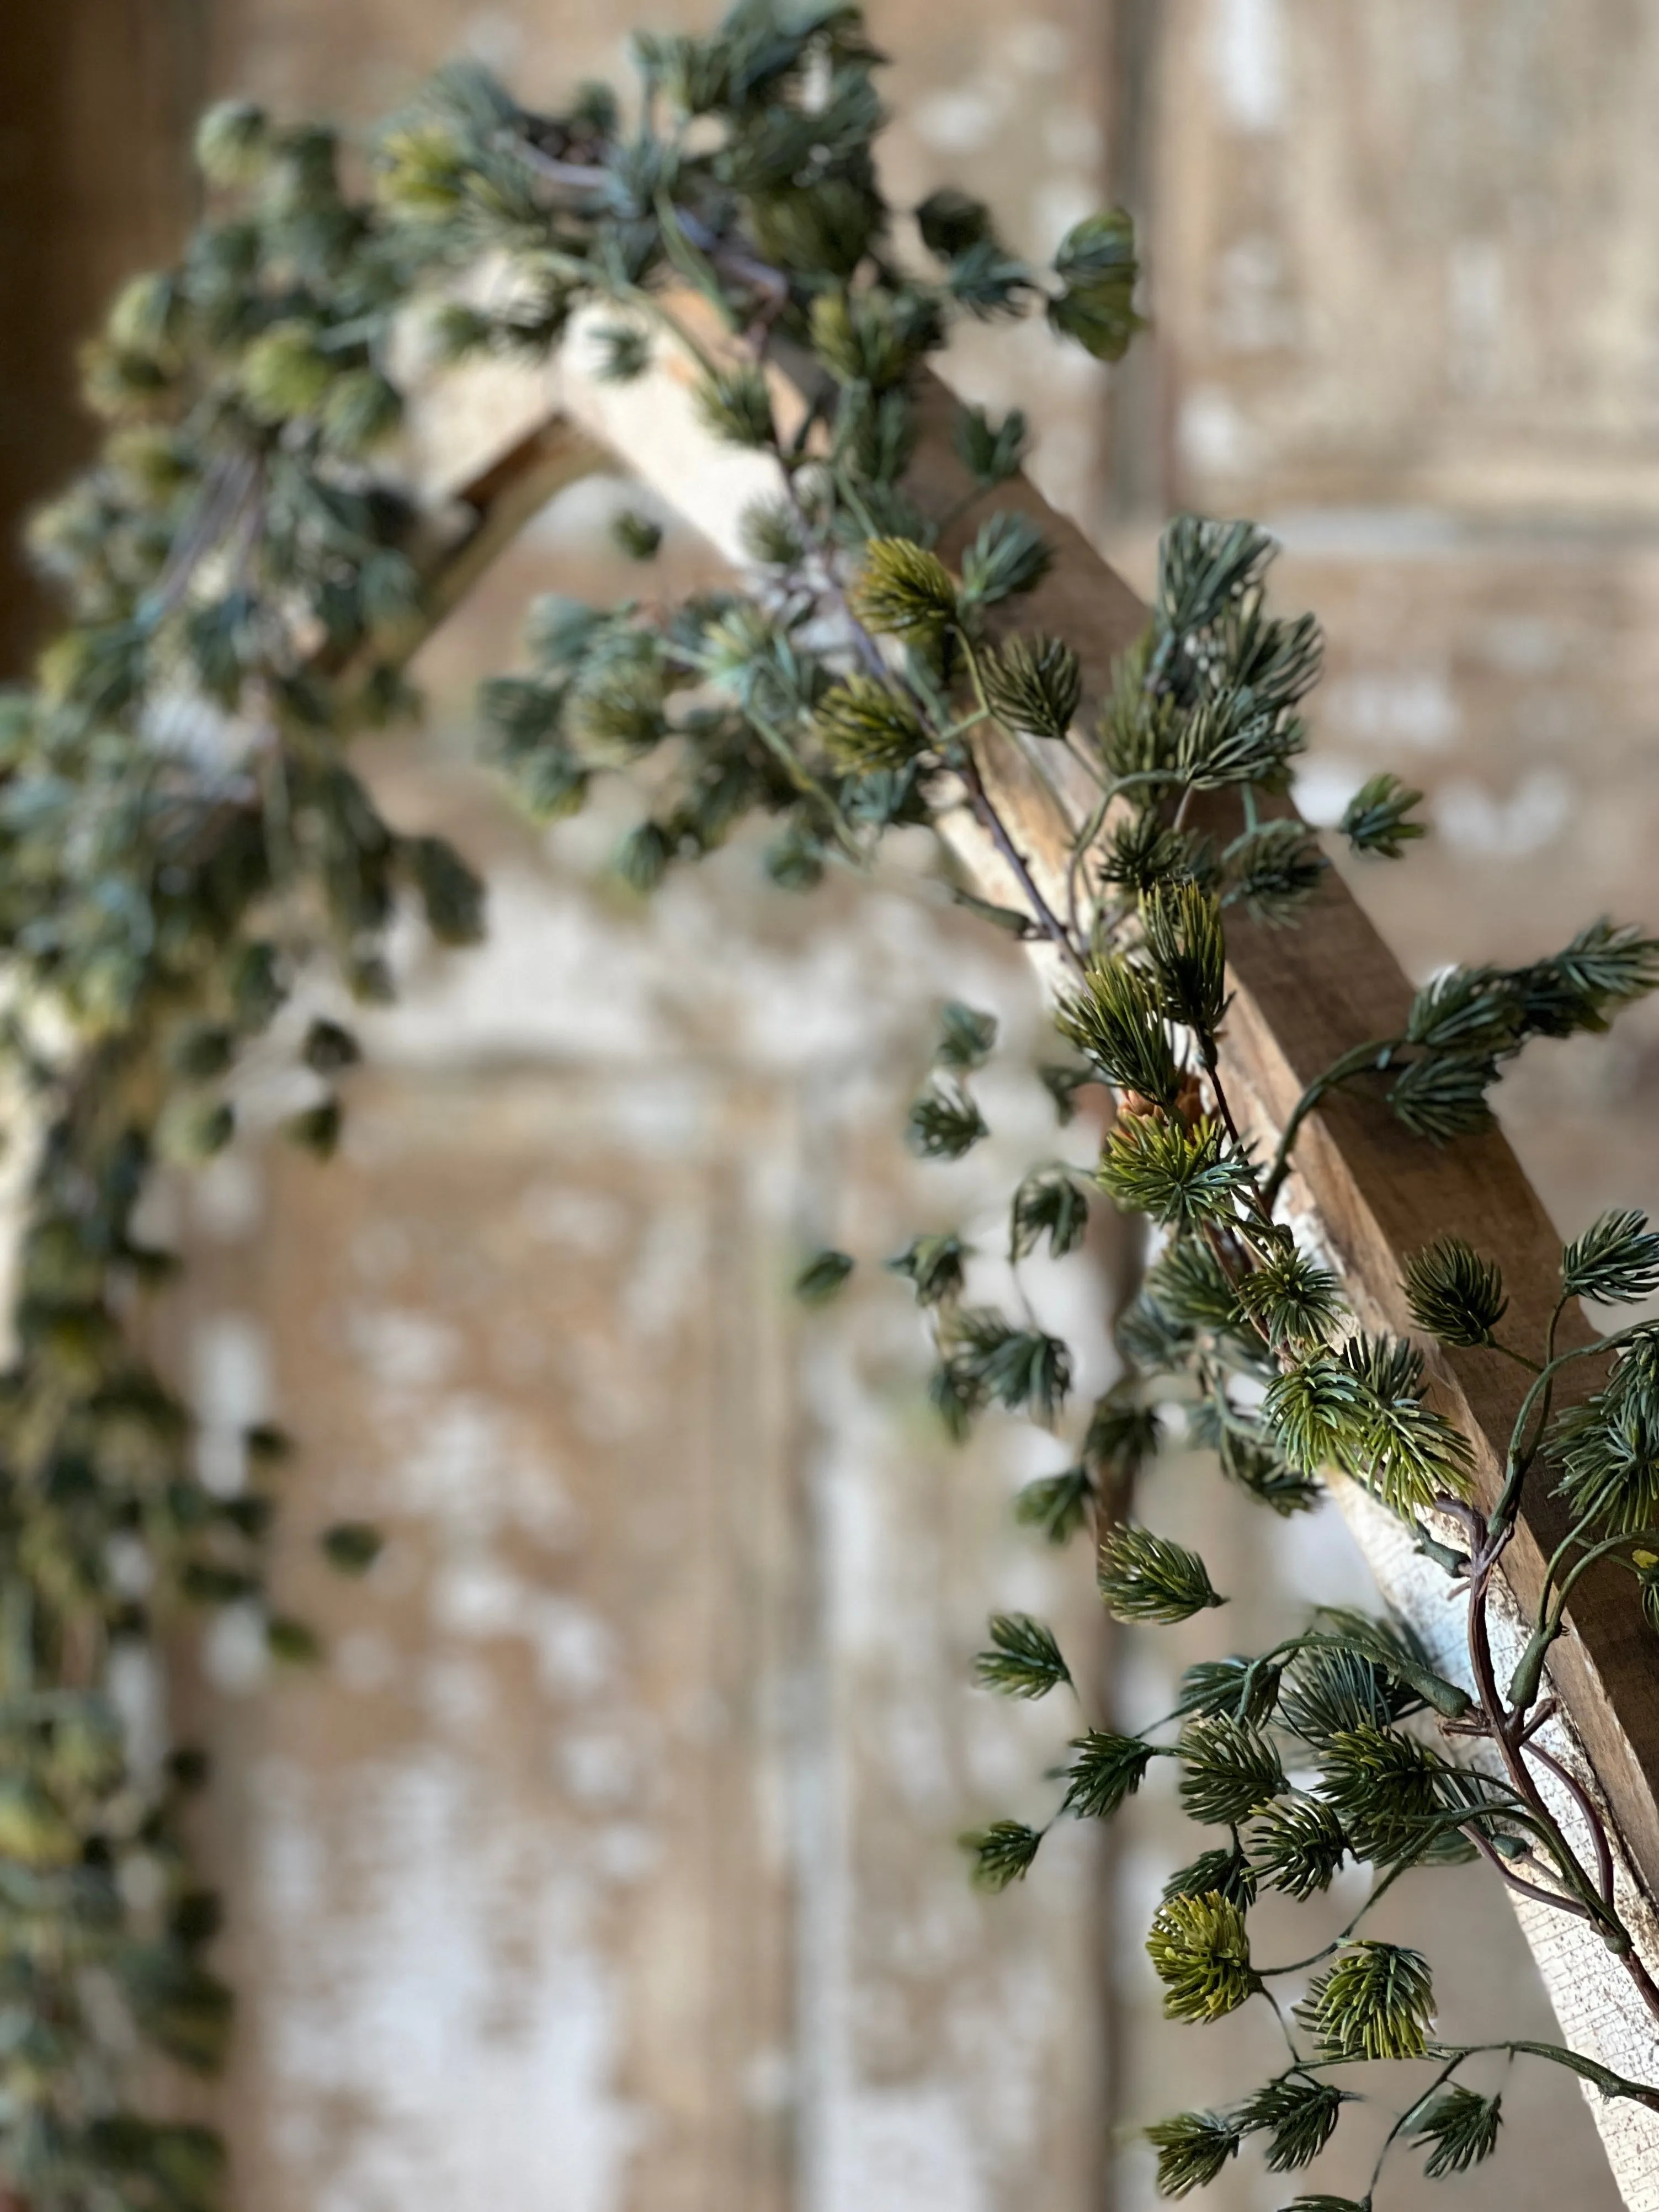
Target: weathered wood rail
x=1375 y=1193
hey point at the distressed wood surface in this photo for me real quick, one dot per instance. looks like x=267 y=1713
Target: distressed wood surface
x=1301 y=997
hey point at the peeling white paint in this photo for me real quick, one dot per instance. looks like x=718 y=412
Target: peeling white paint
x=1245 y=53
x=1473 y=819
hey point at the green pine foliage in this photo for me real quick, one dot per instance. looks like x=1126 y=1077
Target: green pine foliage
x=1024 y=1661
x=244 y=553
x=1200 y=1952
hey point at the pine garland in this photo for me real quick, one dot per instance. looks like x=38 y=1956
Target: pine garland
x=183 y=841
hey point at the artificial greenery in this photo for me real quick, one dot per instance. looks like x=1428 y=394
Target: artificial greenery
x=183 y=844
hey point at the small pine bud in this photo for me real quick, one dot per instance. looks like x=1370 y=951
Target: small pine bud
x=1299 y=2114
x=452 y=894
x=1201 y=1954
x=1376 y=818
x=624 y=353
x=943 y=1123
x=1096 y=265
x=1009 y=556
x=1147 y=1578
x=1616 y=1261
x=643 y=856
x=992 y=452
x=1460 y=2128
x=351 y=1547
x=1377 y=2001
x=770 y=534
x=1107 y=1769
x=950 y=221
x=362 y=410
x=292 y=1642
x=144 y=318
x=1057 y=1504
x=867 y=724
x=1001 y=1853
x=636 y=535
x=736 y=406
x=34 y=1829
x=458 y=332
x=201 y=1052
x=823 y=1277
x=1034 y=684
x=933 y=1265
x=286 y=374
x=1191 y=2150
x=317 y=1129
x=266 y=1445
x=1454 y=1294
x=1049 y=1202
x=967 y=1036
x=1024 y=1660
x=233 y=143
x=257 y=989
x=1228 y=1770
x=193 y=1129
x=905 y=589
x=328 y=1049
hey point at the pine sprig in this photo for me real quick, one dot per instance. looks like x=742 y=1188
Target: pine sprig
x=1616 y=1261
x=1024 y=1660
x=1454 y=1294
x=1228 y=1771
x=1298 y=2113
x=1148 y=1577
x=1191 y=2150
x=1001 y=1853
x=1377 y=2001
x=1459 y=2128
x=1200 y=1952
x=1107 y=1769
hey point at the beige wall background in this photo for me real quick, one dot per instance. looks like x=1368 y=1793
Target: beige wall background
x=610 y=1867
